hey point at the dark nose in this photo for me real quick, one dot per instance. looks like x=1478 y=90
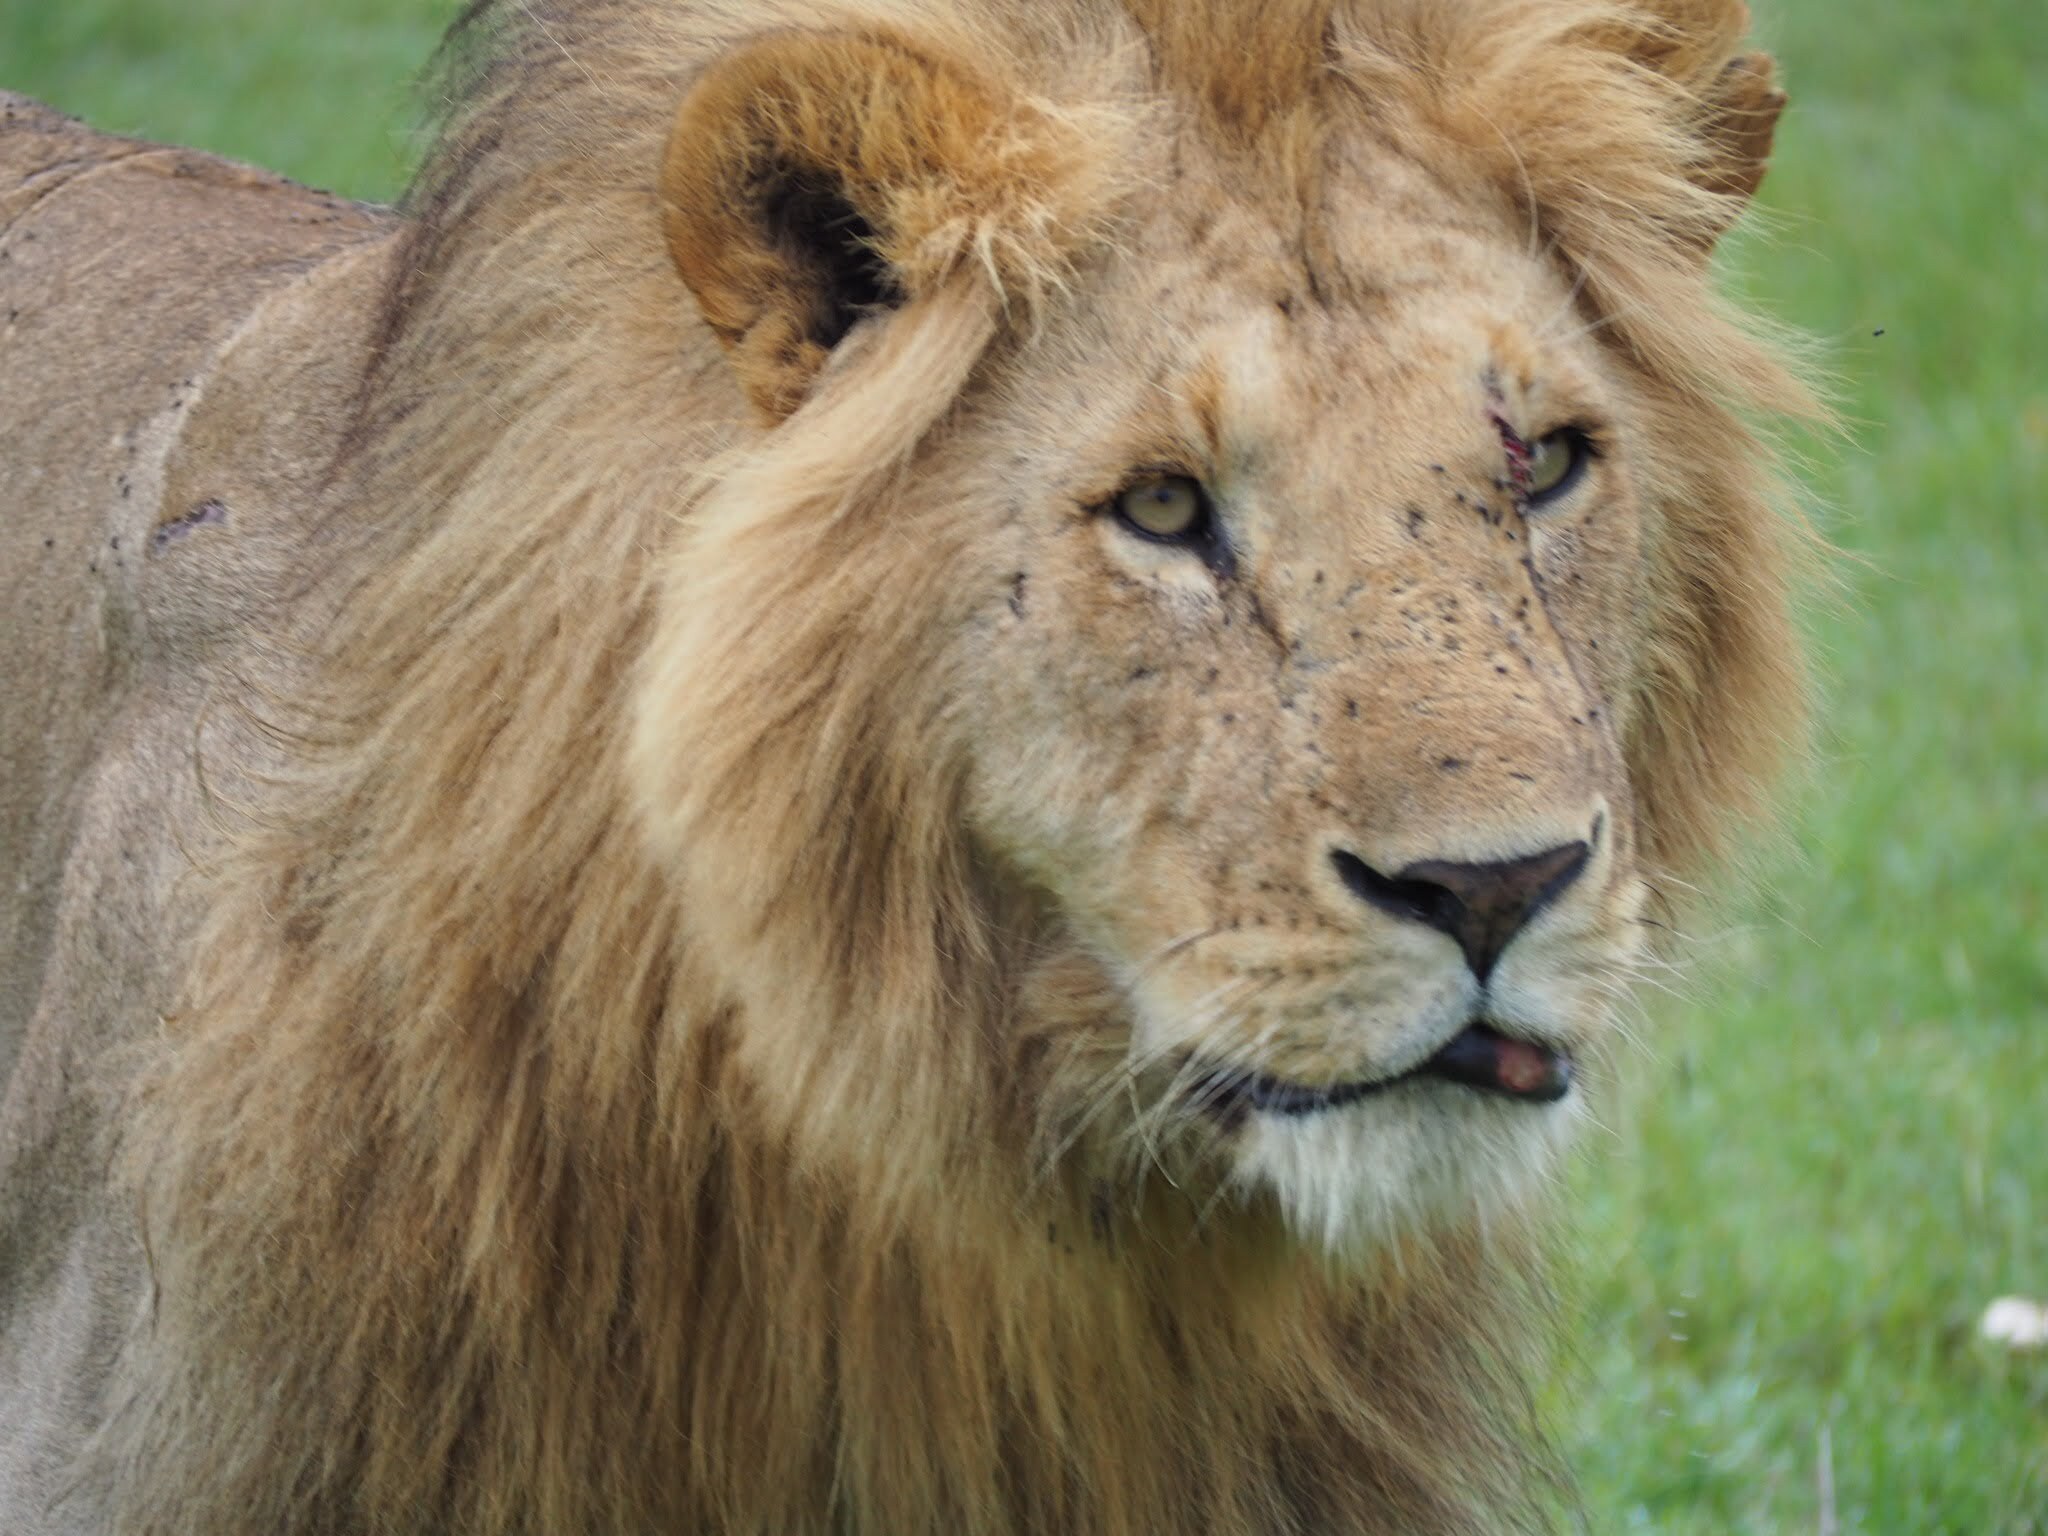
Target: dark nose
x=1482 y=906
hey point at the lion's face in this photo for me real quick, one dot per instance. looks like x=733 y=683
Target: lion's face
x=1218 y=610
x=1307 y=595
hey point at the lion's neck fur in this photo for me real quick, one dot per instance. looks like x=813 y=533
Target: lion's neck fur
x=559 y=1293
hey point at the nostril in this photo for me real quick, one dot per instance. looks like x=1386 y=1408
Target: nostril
x=1481 y=906
x=1419 y=901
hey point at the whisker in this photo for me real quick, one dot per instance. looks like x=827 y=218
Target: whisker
x=1122 y=1082
x=1548 y=329
x=1204 y=1052
x=1180 y=945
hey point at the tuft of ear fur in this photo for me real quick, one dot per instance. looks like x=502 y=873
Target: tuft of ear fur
x=1739 y=122
x=1691 y=44
x=815 y=177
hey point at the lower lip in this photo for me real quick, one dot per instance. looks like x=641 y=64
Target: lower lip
x=1476 y=1057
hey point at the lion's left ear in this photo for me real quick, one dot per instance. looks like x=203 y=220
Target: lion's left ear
x=814 y=178
x=1739 y=117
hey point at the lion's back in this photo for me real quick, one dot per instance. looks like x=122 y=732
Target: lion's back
x=156 y=308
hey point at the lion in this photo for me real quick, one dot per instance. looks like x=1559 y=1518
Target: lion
x=896 y=777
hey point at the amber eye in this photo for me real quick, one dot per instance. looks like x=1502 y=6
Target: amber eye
x=1169 y=507
x=1555 y=464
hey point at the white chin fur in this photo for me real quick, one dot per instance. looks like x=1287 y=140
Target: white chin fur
x=1348 y=1179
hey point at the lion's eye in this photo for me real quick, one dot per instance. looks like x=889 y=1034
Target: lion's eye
x=1170 y=507
x=1555 y=464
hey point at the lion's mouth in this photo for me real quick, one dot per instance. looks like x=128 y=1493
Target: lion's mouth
x=1478 y=1056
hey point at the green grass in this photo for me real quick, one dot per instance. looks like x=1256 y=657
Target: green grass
x=320 y=89
x=1837 y=1152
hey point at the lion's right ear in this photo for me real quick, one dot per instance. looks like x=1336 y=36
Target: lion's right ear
x=1739 y=118
x=814 y=178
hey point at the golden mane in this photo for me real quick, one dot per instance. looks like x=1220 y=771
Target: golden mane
x=464 y=1217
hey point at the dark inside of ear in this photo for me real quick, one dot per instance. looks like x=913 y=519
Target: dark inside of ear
x=817 y=230
x=798 y=160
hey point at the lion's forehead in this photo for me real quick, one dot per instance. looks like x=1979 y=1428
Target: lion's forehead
x=1347 y=222
x=1339 y=348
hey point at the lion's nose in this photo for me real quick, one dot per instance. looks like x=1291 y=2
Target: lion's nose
x=1482 y=906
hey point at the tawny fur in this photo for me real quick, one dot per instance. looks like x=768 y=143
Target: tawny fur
x=617 y=1088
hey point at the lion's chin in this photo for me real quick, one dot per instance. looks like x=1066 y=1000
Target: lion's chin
x=1353 y=1178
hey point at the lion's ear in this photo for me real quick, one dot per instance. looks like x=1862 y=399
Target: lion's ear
x=1732 y=98
x=1739 y=118
x=812 y=179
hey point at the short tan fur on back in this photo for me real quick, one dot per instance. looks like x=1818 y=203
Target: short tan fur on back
x=731 y=937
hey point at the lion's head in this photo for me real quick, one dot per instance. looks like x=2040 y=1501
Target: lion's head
x=1255 y=531
x=990 y=665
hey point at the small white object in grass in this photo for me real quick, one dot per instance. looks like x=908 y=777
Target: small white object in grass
x=2016 y=1323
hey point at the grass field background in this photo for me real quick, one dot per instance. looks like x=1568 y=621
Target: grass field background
x=1836 y=1152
